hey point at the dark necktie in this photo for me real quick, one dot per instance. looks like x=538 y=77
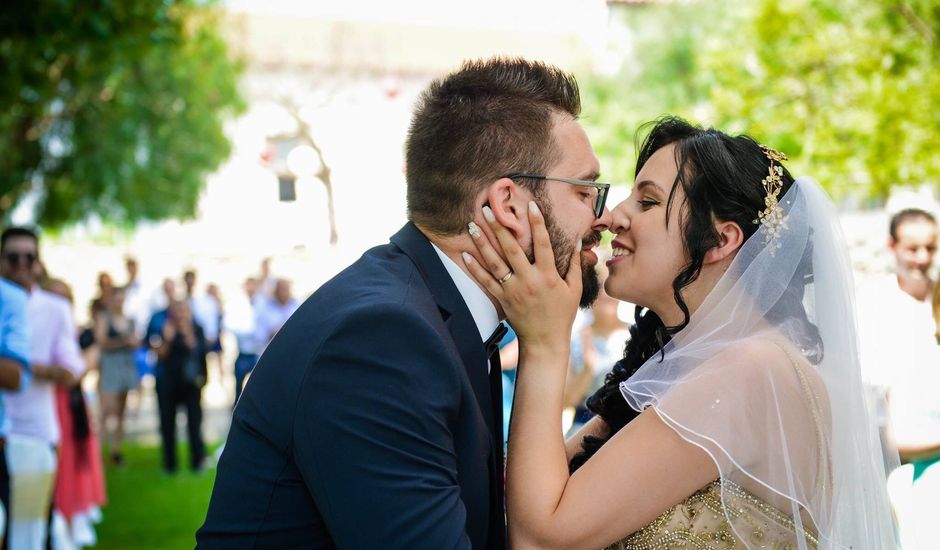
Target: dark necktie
x=498 y=520
x=492 y=346
x=496 y=385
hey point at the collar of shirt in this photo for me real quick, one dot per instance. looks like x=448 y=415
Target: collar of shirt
x=481 y=308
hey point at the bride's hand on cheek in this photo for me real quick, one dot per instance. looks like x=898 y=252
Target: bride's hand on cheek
x=539 y=304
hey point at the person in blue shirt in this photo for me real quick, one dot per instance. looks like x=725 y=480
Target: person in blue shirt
x=14 y=373
x=509 y=357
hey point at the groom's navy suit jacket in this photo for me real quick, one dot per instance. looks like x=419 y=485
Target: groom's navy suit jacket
x=369 y=421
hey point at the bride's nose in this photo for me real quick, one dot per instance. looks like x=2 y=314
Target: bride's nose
x=619 y=218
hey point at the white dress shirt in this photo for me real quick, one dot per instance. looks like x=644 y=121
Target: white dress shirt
x=480 y=306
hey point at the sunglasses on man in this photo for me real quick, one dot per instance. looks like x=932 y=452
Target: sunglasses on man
x=16 y=257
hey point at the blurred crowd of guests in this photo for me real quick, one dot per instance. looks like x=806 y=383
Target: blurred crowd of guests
x=51 y=473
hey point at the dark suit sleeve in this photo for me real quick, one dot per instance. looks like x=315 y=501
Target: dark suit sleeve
x=372 y=434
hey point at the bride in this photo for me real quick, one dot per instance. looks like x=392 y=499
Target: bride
x=735 y=419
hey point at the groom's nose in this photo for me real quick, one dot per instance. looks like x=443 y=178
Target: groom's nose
x=602 y=223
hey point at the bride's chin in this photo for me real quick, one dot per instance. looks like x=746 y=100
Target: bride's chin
x=623 y=294
x=619 y=293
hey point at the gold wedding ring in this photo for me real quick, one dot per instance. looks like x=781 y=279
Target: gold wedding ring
x=506 y=277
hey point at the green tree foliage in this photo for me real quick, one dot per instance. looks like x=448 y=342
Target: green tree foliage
x=661 y=74
x=848 y=88
x=113 y=108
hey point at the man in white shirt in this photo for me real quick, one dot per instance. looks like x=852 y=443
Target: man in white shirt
x=900 y=356
x=240 y=320
x=204 y=307
x=271 y=312
x=55 y=359
x=895 y=313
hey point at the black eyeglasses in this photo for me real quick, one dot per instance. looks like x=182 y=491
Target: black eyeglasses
x=602 y=188
x=15 y=257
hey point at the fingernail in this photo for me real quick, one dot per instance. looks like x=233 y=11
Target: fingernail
x=474 y=230
x=488 y=214
x=467 y=257
x=534 y=208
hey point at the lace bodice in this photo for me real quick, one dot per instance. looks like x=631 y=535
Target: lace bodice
x=699 y=522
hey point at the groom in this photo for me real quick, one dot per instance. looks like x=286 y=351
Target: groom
x=373 y=419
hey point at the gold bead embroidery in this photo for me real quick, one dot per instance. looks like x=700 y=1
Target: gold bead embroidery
x=674 y=529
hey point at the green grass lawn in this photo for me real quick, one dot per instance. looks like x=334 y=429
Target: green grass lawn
x=150 y=510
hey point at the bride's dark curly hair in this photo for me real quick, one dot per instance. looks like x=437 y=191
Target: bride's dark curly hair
x=721 y=177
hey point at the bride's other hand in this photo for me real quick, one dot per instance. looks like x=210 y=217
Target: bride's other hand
x=539 y=304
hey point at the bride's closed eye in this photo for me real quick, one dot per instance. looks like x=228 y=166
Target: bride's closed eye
x=646 y=204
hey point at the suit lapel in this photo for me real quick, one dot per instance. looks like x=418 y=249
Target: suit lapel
x=456 y=315
x=466 y=337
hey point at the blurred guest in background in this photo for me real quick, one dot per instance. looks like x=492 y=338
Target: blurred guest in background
x=594 y=348
x=55 y=361
x=508 y=361
x=273 y=311
x=240 y=321
x=14 y=374
x=180 y=376
x=898 y=309
x=204 y=308
x=157 y=307
x=135 y=301
x=105 y=289
x=903 y=377
x=214 y=295
x=132 y=287
x=79 y=483
x=117 y=340
x=266 y=281
x=914 y=414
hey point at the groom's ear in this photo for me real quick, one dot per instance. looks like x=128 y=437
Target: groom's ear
x=506 y=200
x=730 y=239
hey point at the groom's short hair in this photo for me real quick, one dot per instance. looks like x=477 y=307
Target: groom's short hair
x=486 y=120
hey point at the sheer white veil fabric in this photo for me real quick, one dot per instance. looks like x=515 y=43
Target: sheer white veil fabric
x=778 y=407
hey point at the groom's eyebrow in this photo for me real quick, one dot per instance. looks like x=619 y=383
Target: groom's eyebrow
x=590 y=176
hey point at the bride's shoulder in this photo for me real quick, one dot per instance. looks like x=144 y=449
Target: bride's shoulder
x=756 y=358
x=755 y=347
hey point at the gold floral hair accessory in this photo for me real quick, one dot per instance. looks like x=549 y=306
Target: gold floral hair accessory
x=772 y=218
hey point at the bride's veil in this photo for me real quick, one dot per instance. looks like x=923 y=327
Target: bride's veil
x=765 y=378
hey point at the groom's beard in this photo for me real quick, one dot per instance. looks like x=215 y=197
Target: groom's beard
x=590 y=282
x=564 y=250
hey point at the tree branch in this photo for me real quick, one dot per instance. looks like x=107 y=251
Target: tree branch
x=304 y=133
x=916 y=22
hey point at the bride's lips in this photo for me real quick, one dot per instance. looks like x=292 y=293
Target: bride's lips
x=619 y=252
